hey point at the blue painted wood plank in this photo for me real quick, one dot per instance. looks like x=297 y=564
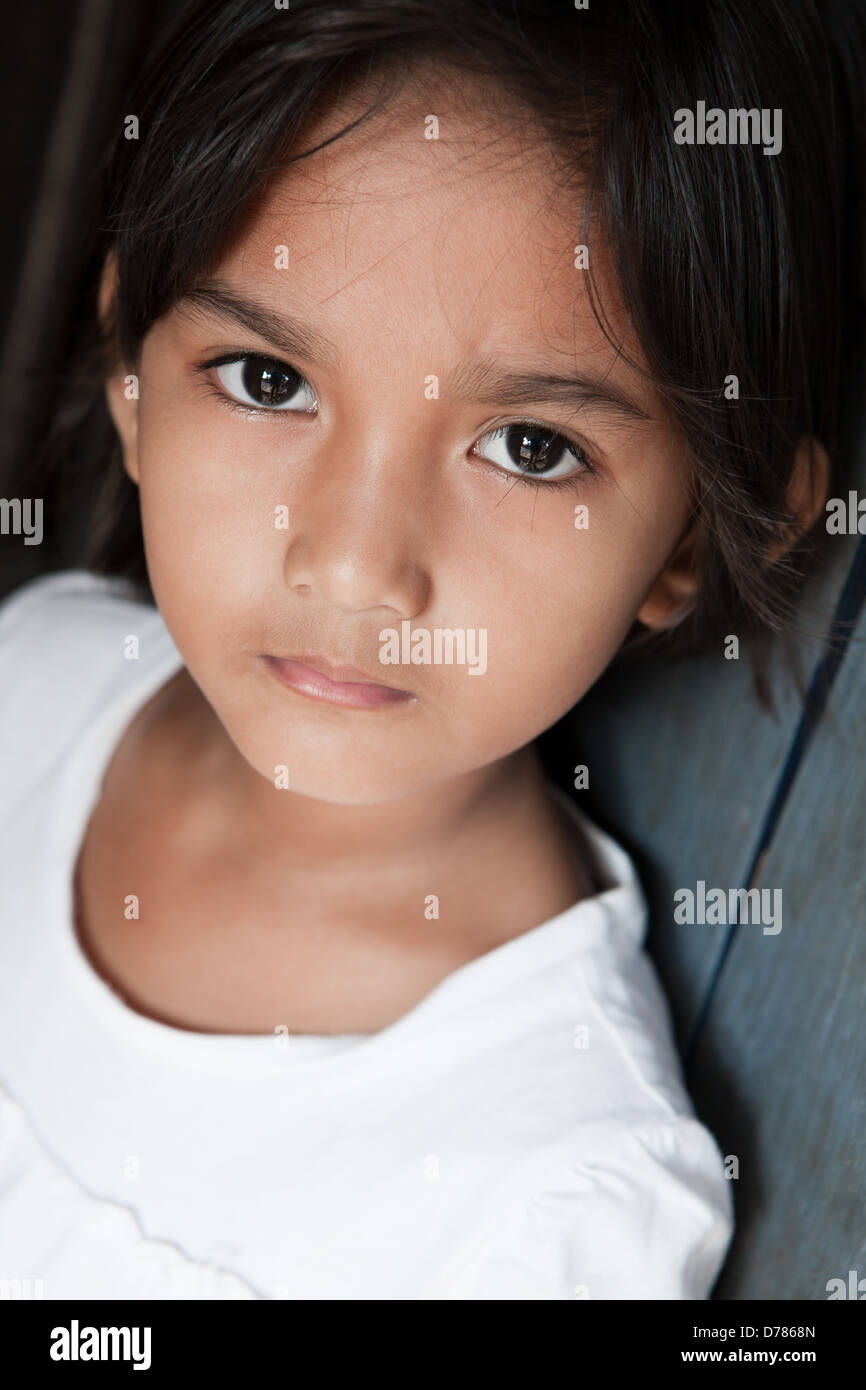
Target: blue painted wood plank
x=779 y=1071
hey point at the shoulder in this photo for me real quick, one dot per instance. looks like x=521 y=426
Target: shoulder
x=84 y=1246
x=70 y=643
x=70 y=625
x=618 y=1191
x=646 y=1215
x=53 y=602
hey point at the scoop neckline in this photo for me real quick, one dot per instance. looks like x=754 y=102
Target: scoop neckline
x=77 y=795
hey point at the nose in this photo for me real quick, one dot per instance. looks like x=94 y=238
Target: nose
x=356 y=529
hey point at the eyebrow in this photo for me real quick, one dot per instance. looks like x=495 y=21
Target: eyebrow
x=284 y=332
x=483 y=381
x=486 y=382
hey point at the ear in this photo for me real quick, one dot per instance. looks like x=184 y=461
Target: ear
x=806 y=497
x=673 y=593
x=121 y=387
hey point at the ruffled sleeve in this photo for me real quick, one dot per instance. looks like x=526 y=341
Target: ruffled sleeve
x=59 y=1241
x=650 y=1218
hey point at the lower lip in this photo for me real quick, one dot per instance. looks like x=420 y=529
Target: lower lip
x=351 y=694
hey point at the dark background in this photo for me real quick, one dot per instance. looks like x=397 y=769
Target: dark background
x=687 y=770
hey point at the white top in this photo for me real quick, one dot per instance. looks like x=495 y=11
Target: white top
x=521 y=1133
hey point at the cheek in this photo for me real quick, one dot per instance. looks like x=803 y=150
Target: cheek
x=558 y=602
x=204 y=516
x=552 y=619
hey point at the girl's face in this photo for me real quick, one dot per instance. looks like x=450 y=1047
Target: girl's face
x=391 y=455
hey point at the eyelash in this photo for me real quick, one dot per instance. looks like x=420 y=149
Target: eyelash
x=573 y=481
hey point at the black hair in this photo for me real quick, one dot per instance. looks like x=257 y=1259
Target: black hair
x=729 y=260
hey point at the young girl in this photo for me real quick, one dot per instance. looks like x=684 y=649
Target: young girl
x=419 y=328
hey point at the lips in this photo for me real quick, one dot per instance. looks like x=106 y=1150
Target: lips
x=320 y=679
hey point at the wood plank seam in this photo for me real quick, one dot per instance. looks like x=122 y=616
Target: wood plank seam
x=838 y=643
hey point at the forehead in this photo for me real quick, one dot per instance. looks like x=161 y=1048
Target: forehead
x=443 y=219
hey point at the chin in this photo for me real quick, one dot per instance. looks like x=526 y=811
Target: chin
x=338 y=777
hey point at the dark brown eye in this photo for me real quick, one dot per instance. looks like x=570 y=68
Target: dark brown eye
x=534 y=451
x=266 y=383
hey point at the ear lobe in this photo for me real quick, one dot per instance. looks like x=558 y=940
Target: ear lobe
x=673 y=594
x=806 y=497
x=122 y=406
